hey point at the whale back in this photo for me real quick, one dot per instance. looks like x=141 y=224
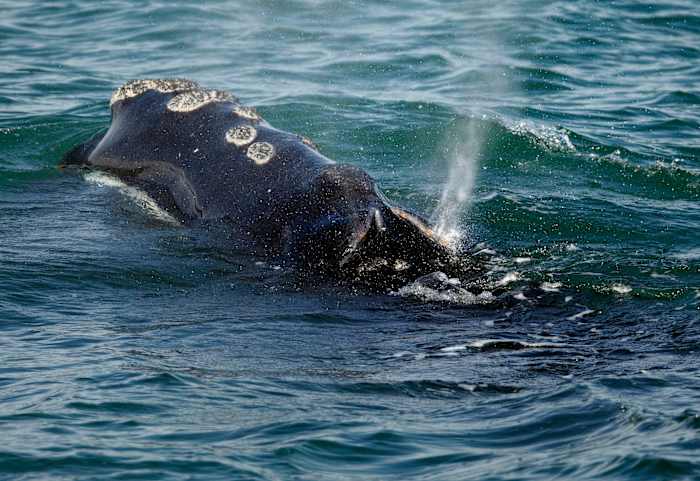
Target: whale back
x=169 y=139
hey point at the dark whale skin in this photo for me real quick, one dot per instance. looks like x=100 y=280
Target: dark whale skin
x=172 y=139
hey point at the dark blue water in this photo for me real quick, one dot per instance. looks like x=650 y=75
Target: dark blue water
x=134 y=349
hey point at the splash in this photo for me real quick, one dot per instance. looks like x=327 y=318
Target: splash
x=553 y=139
x=438 y=287
x=463 y=159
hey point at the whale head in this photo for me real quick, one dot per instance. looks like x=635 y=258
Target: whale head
x=352 y=230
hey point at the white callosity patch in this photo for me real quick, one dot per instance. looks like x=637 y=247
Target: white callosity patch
x=195 y=99
x=241 y=135
x=246 y=112
x=134 y=88
x=261 y=152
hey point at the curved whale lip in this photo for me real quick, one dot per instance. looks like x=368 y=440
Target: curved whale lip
x=374 y=221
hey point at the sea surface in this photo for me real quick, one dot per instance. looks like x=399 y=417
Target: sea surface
x=131 y=348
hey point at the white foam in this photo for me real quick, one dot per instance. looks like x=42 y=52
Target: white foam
x=689 y=255
x=442 y=289
x=139 y=197
x=486 y=343
x=451 y=238
x=458 y=347
x=468 y=387
x=550 y=286
x=621 y=289
x=656 y=275
x=581 y=314
x=556 y=139
x=508 y=278
x=671 y=168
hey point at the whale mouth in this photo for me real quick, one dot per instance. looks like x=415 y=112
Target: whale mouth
x=393 y=244
x=373 y=221
x=358 y=234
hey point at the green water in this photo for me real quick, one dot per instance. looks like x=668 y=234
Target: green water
x=133 y=349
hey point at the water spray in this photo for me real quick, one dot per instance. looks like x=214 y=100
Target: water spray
x=464 y=151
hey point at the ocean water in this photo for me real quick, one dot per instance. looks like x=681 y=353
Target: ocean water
x=132 y=348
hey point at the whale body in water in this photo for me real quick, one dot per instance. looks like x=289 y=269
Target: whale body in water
x=207 y=159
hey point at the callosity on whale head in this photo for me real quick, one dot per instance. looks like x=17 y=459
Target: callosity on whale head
x=207 y=159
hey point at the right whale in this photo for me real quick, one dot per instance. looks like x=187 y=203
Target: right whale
x=206 y=159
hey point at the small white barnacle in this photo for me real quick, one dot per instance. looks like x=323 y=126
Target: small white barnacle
x=241 y=135
x=134 y=88
x=246 y=112
x=261 y=152
x=194 y=99
x=401 y=265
